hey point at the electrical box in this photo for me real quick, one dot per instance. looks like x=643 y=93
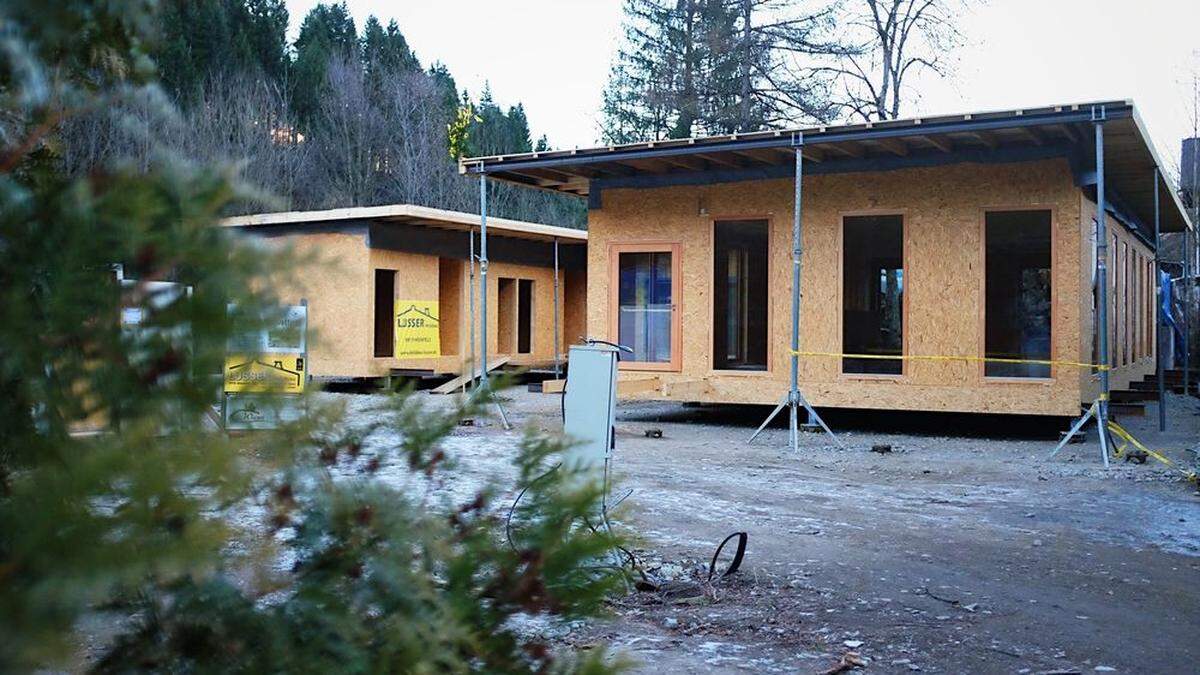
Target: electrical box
x=590 y=407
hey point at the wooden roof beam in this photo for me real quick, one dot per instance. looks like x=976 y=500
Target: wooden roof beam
x=689 y=163
x=896 y=146
x=809 y=152
x=1032 y=135
x=730 y=162
x=942 y=143
x=985 y=138
x=764 y=156
x=849 y=149
x=1068 y=131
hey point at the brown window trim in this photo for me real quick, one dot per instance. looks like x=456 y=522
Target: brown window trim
x=675 y=248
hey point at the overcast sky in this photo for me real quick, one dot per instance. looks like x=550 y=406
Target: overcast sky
x=554 y=56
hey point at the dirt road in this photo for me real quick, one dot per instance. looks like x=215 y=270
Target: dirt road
x=945 y=555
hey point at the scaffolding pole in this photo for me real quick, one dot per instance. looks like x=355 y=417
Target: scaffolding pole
x=556 y=351
x=1098 y=411
x=1159 y=375
x=483 y=385
x=794 y=399
x=474 y=362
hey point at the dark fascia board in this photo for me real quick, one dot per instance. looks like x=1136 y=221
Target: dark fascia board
x=357 y=227
x=455 y=244
x=1001 y=155
x=424 y=240
x=788 y=139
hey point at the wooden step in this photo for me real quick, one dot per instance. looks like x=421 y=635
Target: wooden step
x=1133 y=396
x=1127 y=409
x=467 y=378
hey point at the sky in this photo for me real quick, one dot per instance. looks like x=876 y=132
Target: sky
x=554 y=56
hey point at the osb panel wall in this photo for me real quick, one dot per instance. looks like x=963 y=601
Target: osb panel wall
x=574 y=309
x=1123 y=374
x=943 y=211
x=416 y=279
x=451 y=307
x=542 y=335
x=337 y=285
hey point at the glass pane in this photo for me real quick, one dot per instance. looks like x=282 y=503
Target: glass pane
x=873 y=293
x=1017 y=311
x=740 y=289
x=644 y=305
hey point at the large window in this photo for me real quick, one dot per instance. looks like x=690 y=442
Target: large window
x=873 y=293
x=645 y=304
x=1017 y=283
x=740 y=295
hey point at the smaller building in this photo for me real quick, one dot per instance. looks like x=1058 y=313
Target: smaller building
x=391 y=289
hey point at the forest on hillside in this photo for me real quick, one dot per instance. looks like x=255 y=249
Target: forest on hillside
x=348 y=115
x=343 y=116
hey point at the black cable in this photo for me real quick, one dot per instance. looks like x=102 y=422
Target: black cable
x=513 y=508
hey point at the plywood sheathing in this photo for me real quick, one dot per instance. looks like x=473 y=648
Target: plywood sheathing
x=943 y=211
x=339 y=290
x=337 y=284
x=452 y=310
x=572 y=314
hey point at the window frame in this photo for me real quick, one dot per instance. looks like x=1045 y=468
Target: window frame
x=675 y=248
x=1054 y=285
x=905 y=242
x=712 y=295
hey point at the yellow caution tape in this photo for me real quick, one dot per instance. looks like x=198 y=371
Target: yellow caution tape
x=1129 y=439
x=973 y=359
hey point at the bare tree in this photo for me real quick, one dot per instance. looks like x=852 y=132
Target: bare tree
x=899 y=38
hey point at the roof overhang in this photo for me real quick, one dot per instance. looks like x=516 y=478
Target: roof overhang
x=989 y=137
x=410 y=214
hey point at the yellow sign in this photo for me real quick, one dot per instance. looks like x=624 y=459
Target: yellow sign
x=417 y=329
x=261 y=373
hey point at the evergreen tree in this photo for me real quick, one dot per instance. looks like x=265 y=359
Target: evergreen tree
x=698 y=67
x=133 y=526
x=202 y=39
x=327 y=34
x=385 y=51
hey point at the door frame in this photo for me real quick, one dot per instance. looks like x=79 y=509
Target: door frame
x=675 y=248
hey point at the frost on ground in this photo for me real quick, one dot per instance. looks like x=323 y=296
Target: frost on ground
x=951 y=553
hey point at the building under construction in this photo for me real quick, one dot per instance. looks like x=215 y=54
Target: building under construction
x=945 y=263
x=394 y=290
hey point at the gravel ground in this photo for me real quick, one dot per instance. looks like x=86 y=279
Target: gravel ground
x=951 y=553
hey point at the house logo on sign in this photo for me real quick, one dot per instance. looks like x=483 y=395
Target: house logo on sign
x=417 y=334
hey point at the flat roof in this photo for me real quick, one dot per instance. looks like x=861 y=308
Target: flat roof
x=1027 y=134
x=412 y=214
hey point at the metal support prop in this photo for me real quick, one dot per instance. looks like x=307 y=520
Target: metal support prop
x=483 y=301
x=1099 y=408
x=1159 y=375
x=474 y=363
x=557 y=373
x=794 y=399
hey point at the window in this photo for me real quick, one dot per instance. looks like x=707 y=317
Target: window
x=740 y=295
x=873 y=293
x=1126 y=303
x=524 y=316
x=644 y=304
x=1017 y=292
x=385 y=310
